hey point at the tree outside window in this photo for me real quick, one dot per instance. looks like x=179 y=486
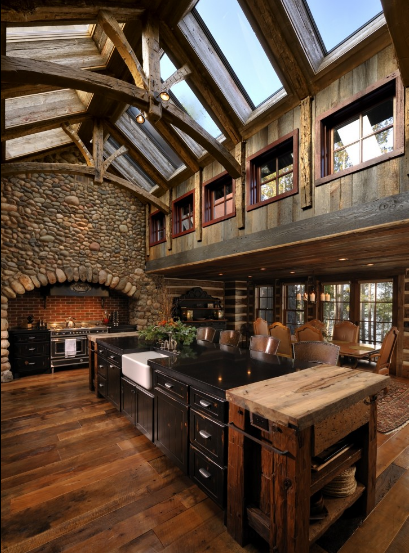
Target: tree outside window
x=337 y=308
x=376 y=302
x=294 y=309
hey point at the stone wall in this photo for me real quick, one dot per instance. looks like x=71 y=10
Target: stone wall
x=58 y=228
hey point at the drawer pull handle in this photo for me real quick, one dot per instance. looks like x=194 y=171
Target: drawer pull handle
x=101 y=385
x=31 y=363
x=111 y=366
x=205 y=403
x=168 y=386
x=100 y=366
x=112 y=356
x=205 y=434
x=204 y=473
x=31 y=349
x=31 y=337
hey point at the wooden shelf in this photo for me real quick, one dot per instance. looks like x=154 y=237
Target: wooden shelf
x=334 y=467
x=336 y=506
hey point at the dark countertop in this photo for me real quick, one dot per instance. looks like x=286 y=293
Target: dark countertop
x=214 y=368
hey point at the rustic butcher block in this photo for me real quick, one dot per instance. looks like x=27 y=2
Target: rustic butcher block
x=288 y=438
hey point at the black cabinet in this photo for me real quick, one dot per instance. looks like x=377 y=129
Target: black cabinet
x=198 y=308
x=29 y=352
x=137 y=406
x=114 y=385
x=108 y=375
x=171 y=431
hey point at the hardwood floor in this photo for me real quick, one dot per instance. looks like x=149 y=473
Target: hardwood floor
x=78 y=477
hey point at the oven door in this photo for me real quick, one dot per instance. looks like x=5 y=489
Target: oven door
x=58 y=354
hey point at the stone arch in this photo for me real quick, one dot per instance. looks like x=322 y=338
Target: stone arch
x=21 y=283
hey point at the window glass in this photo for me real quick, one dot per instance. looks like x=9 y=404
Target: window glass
x=336 y=308
x=265 y=303
x=183 y=220
x=375 y=310
x=337 y=21
x=294 y=307
x=158 y=231
x=241 y=48
x=219 y=199
x=184 y=95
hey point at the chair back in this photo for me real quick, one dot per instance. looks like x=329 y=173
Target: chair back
x=318 y=352
x=317 y=323
x=385 y=355
x=260 y=327
x=206 y=333
x=264 y=344
x=346 y=331
x=282 y=333
x=229 y=337
x=307 y=333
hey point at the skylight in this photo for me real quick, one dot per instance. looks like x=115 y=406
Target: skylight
x=241 y=48
x=337 y=21
x=186 y=97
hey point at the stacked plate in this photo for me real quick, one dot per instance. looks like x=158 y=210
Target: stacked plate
x=342 y=485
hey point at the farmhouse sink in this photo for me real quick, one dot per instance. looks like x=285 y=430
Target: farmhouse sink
x=135 y=367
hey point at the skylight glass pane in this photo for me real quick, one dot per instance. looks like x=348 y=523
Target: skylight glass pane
x=184 y=94
x=241 y=47
x=336 y=21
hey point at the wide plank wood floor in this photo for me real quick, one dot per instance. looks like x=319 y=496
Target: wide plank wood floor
x=78 y=477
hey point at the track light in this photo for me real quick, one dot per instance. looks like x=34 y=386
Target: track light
x=164 y=95
x=140 y=118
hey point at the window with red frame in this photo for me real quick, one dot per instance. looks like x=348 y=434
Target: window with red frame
x=218 y=199
x=157 y=228
x=272 y=173
x=183 y=214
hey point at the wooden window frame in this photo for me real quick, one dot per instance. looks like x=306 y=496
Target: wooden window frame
x=252 y=173
x=208 y=200
x=258 y=298
x=152 y=220
x=391 y=86
x=176 y=204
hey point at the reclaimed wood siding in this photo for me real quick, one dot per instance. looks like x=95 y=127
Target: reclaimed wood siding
x=385 y=179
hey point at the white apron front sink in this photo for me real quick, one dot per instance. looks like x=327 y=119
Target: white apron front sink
x=135 y=367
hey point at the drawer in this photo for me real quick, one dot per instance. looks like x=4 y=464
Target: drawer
x=102 y=366
x=112 y=357
x=29 y=337
x=215 y=408
x=208 y=476
x=23 y=364
x=29 y=350
x=102 y=385
x=208 y=436
x=171 y=386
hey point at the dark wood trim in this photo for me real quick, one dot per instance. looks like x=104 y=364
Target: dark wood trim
x=177 y=200
x=294 y=135
x=386 y=211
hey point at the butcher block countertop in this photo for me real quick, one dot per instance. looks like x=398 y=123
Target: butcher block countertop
x=306 y=397
x=95 y=337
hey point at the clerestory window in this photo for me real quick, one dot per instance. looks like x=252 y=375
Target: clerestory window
x=218 y=199
x=183 y=215
x=157 y=228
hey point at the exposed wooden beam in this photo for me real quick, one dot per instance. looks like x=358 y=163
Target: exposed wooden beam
x=305 y=172
x=3 y=102
x=79 y=143
x=151 y=66
x=177 y=77
x=177 y=144
x=98 y=150
x=111 y=27
x=9 y=169
x=23 y=70
x=173 y=12
x=119 y=152
x=204 y=88
x=397 y=18
x=40 y=126
x=56 y=12
x=146 y=166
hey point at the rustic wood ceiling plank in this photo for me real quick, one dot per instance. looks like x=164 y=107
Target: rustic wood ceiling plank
x=46 y=125
x=111 y=27
x=12 y=90
x=176 y=143
x=397 y=17
x=119 y=152
x=125 y=168
x=9 y=169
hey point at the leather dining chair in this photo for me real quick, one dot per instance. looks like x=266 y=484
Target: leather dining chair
x=317 y=323
x=229 y=338
x=264 y=344
x=206 y=334
x=282 y=333
x=260 y=327
x=318 y=352
x=307 y=332
x=380 y=361
x=346 y=331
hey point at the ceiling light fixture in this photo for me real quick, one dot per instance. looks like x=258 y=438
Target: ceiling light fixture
x=343 y=259
x=292 y=272
x=262 y=269
x=220 y=274
x=140 y=118
x=165 y=96
x=369 y=264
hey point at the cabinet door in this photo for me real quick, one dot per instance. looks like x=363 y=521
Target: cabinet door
x=114 y=386
x=128 y=400
x=171 y=429
x=144 y=412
